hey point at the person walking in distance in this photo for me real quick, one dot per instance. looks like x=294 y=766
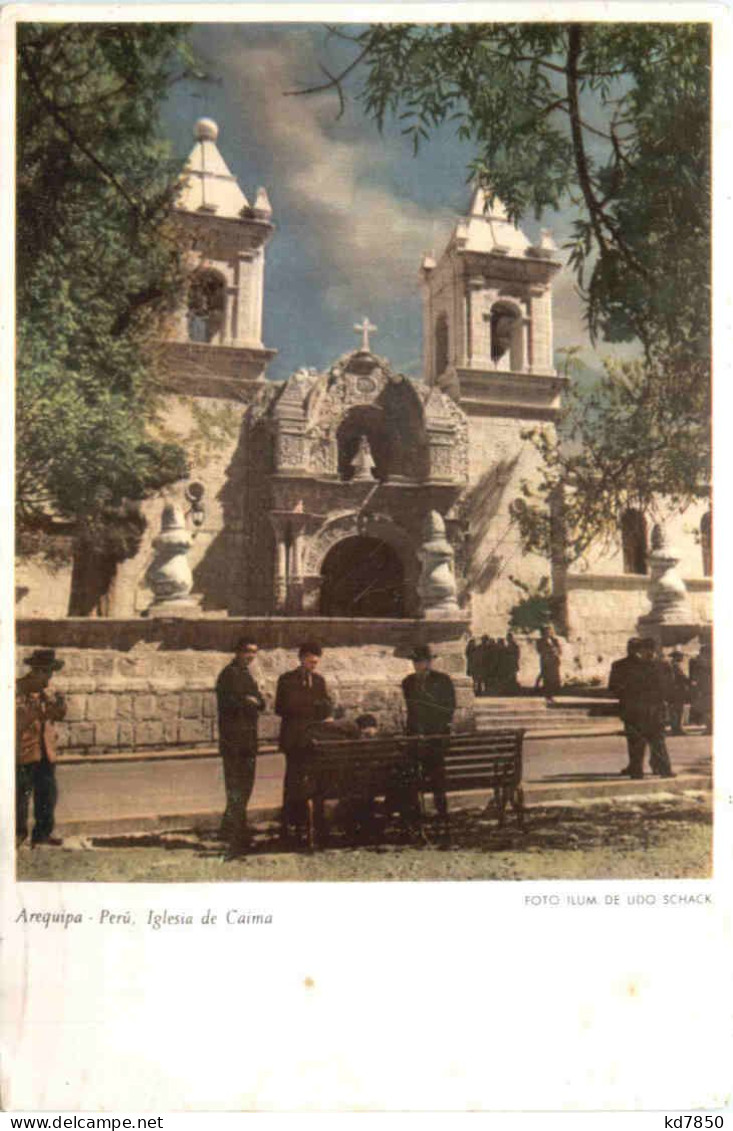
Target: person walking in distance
x=301 y=700
x=36 y=712
x=430 y=699
x=239 y=702
x=550 y=653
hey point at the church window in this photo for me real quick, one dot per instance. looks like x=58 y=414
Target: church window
x=206 y=301
x=441 y=344
x=506 y=337
x=706 y=543
x=634 y=541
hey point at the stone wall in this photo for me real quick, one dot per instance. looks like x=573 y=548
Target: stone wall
x=499 y=461
x=137 y=685
x=603 y=612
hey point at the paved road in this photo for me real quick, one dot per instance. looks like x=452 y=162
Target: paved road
x=99 y=792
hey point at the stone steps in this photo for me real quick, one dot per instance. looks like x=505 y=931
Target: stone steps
x=535 y=714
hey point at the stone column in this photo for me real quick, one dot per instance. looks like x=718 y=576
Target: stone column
x=247 y=329
x=476 y=347
x=280 y=580
x=541 y=327
x=296 y=525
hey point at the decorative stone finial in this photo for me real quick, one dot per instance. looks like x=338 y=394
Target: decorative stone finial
x=262 y=203
x=667 y=591
x=169 y=575
x=206 y=129
x=437 y=585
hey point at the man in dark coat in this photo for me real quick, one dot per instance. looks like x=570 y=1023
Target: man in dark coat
x=239 y=702
x=701 y=687
x=36 y=712
x=430 y=699
x=640 y=685
x=301 y=700
x=678 y=692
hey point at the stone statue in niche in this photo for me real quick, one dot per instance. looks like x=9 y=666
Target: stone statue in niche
x=363 y=463
x=437 y=585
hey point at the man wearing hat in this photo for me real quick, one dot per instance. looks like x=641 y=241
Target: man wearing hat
x=639 y=683
x=239 y=702
x=35 y=748
x=430 y=699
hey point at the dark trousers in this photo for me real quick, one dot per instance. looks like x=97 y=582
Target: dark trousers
x=646 y=728
x=239 y=759
x=294 y=810
x=676 y=714
x=37 y=779
x=430 y=776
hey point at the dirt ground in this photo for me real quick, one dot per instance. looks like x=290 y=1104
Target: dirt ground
x=660 y=836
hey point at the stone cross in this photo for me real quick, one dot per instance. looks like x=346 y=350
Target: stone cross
x=363 y=328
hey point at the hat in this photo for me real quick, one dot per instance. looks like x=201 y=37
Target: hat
x=44 y=659
x=677 y=655
x=422 y=652
x=365 y=721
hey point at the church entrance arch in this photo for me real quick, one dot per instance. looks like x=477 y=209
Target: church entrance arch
x=362 y=577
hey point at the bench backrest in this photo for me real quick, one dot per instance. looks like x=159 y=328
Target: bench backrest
x=479 y=760
x=358 y=766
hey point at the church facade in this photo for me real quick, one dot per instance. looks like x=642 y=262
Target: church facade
x=356 y=491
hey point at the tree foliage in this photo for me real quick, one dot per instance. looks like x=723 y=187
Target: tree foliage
x=99 y=268
x=615 y=119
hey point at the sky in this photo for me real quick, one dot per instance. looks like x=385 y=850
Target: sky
x=354 y=209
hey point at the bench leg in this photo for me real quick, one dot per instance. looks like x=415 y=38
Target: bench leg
x=518 y=803
x=503 y=799
x=311 y=825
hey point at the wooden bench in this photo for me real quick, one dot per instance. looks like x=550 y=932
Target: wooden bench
x=372 y=767
x=485 y=760
x=354 y=769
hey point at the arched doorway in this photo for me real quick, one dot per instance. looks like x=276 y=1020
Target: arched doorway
x=362 y=577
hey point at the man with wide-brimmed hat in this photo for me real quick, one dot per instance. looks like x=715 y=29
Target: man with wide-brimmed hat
x=36 y=712
x=430 y=699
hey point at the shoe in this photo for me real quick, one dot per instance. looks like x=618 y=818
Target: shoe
x=626 y=770
x=669 y=774
x=51 y=841
x=20 y=838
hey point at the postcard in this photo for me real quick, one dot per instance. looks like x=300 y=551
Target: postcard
x=361 y=650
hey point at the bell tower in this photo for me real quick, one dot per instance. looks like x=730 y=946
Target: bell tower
x=218 y=332
x=487 y=314
x=487 y=342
